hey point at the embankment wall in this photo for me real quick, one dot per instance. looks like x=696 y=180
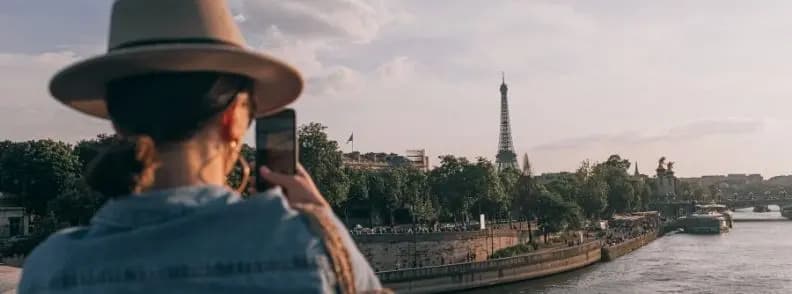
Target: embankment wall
x=491 y=272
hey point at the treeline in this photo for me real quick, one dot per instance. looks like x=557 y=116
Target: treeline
x=48 y=178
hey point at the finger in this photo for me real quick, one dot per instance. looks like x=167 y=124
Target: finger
x=276 y=178
x=301 y=172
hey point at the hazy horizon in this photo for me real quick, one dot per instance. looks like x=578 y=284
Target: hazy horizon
x=703 y=83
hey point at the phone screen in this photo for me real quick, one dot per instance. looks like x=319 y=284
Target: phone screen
x=276 y=145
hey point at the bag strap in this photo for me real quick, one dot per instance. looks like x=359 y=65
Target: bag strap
x=322 y=224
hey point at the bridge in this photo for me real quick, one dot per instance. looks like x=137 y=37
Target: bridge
x=676 y=208
x=735 y=204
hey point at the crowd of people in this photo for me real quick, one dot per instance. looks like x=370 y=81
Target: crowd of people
x=623 y=228
x=433 y=228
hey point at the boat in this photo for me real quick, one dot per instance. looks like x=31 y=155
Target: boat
x=705 y=223
x=761 y=208
x=708 y=219
x=786 y=211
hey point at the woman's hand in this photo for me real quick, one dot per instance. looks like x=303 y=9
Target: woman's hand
x=299 y=188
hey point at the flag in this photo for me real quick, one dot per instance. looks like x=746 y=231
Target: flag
x=351 y=138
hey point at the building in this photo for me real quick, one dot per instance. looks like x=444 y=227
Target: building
x=375 y=161
x=13 y=219
x=743 y=179
x=418 y=159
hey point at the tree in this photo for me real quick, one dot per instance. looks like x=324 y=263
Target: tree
x=87 y=150
x=593 y=191
x=394 y=180
x=524 y=203
x=509 y=179
x=416 y=195
x=76 y=205
x=554 y=214
x=323 y=160
x=565 y=185
x=358 y=192
x=378 y=194
x=484 y=186
x=621 y=193
x=714 y=193
x=447 y=182
x=38 y=171
x=685 y=191
x=643 y=194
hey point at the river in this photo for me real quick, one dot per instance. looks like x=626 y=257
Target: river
x=754 y=257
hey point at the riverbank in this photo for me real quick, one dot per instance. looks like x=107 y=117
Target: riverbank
x=743 y=261
x=610 y=253
x=469 y=275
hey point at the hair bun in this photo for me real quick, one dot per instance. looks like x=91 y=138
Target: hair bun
x=125 y=167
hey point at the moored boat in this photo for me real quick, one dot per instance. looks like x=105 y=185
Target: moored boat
x=705 y=223
x=761 y=209
x=708 y=219
x=786 y=211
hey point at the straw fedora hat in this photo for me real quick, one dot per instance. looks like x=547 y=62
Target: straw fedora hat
x=149 y=36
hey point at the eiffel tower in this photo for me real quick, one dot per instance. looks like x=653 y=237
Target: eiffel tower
x=506 y=157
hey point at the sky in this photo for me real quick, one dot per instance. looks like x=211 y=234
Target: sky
x=708 y=84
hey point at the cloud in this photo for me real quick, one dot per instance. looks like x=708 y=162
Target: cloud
x=338 y=81
x=301 y=32
x=396 y=71
x=684 y=133
x=356 y=20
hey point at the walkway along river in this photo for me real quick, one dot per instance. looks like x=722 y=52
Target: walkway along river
x=755 y=257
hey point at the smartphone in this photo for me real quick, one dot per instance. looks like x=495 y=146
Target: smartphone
x=276 y=145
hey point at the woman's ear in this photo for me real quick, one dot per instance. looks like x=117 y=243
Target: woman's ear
x=236 y=118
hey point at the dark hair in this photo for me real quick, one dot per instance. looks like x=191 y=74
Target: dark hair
x=157 y=110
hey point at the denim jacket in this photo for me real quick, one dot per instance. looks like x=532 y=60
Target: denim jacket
x=202 y=239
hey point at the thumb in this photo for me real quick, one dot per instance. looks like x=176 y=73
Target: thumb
x=276 y=178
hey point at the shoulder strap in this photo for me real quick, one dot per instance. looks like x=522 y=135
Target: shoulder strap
x=322 y=224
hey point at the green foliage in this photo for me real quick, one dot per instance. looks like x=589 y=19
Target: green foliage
x=416 y=195
x=593 y=191
x=464 y=188
x=47 y=175
x=516 y=250
x=448 y=183
x=38 y=171
x=621 y=194
x=509 y=179
x=565 y=185
x=485 y=187
x=76 y=205
x=87 y=150
x=554 y=214
x=323 y=160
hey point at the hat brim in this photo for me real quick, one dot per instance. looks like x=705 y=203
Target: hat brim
x=82 y=85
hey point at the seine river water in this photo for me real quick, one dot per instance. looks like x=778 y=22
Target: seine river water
x=755 y=257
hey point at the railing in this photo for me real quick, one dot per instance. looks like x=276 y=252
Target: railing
x=444 y=228
x=438 y=236
x=489 y=265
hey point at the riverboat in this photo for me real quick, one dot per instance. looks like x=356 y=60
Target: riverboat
x=786 y=211
x=708 y=219
x=761 y=209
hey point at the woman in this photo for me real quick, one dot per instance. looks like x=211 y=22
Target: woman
x=179 y=87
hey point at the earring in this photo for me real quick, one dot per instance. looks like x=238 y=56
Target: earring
x=245 y=174
x=245 y=167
